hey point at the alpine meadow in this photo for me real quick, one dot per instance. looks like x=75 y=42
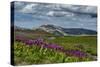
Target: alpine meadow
x=50 y=33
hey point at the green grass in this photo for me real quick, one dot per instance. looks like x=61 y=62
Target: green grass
x=87 y=43
x=24 y=54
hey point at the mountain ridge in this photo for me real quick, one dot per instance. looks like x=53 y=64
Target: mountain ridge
x=60 y=31
x=57 y=30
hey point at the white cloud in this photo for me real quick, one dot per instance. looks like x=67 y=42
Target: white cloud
x=79 y=8
x=57 y=10
x=60 y=13
x=91 y=9
x=32 y=7
x=18 y=5
x=29 y=8
x=50 y=13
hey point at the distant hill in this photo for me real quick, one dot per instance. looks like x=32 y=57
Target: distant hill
x=57 y=30
x=35 y=32
x=79 y=31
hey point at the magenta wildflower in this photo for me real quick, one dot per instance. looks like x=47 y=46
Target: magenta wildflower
x=76 y=53
x=40 y=42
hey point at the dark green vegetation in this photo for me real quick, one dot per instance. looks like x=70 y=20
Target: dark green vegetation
x=25 y=54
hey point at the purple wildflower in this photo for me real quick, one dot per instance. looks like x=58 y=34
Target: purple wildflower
x=40 y=42
x=54 y=46
x=76 y=53
x=29 y=42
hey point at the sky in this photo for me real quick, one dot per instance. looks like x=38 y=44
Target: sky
x=32 y=15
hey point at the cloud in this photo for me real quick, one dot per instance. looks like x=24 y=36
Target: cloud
x=57 y=10
x=19 y=5
x=60 y=14
x=89 y=9
x=80 y=8
x=28 y=8
x=71 y=12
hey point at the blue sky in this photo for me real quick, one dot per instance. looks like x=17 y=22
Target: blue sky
x=32 y=15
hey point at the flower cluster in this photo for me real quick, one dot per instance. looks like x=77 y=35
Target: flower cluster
x=76 y=53
x=41 y=43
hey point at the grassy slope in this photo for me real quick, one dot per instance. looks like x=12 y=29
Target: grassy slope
x=87 y=43
x=33 y=55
